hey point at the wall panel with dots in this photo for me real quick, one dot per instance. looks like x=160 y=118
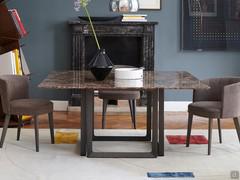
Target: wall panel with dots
x=210 y=25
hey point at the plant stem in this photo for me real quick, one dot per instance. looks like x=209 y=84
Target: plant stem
x=94 y=33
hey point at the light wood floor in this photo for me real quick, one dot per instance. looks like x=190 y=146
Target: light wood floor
x=173 y=120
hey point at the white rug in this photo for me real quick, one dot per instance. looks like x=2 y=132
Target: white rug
x=19 y=161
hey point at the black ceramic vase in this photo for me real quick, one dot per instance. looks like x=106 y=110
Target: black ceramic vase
x=100 y=65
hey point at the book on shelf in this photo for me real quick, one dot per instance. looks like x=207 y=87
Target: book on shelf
x=11 y=29
x=7 y=63
x=134 y=15
x=10 y=63
x=25 y=68
x=18 y=65
x=134 y=18
x=17 y=20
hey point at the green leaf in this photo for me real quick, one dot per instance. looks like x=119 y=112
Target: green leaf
x=84 y=3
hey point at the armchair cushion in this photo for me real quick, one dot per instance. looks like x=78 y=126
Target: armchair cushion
x=30 y=106
x=206 y=108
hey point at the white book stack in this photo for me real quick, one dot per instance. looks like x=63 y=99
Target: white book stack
x=7 y=63
x=134 y=18
x=10 y=64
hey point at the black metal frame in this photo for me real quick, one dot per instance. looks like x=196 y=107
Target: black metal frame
x=132 y=138
x=155 y=127
x=87 y=132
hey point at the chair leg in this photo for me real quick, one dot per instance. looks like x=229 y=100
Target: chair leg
x=19 y=127
x=105 y=103
x=51 y=126
x=4 y=131
x=36 y=133
x=134 y=114
x=219 y=130
x=237 y=126
x=210 y=135
x=190 y=119
x=132 y=105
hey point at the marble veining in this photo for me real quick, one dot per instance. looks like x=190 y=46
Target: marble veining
x=151 y=80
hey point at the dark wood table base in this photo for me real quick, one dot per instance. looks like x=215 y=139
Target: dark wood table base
x=161 y=122
x=87 y=132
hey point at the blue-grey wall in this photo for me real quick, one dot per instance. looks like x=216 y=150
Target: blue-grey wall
x=48 y=45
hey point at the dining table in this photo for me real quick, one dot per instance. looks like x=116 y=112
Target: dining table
x=154 y=84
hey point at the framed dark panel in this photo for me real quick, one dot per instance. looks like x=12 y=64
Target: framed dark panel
x=210 y=25
x=207 y=8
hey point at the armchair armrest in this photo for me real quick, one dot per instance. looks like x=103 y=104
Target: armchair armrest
x=231 y=101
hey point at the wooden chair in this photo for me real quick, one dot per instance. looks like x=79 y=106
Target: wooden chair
x=15 y=101
x=222 y=100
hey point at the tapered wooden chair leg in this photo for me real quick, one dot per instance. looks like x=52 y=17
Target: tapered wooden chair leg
x=237 y=126
x=4 y=131
x=219 y=130
x=51 y=126
x=105 y=103
x=190 y=119
x=19 y=127
x=36 y=133
x=210 y=135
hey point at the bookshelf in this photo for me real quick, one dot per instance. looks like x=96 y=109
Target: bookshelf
x=9 y=35
x=9 y=40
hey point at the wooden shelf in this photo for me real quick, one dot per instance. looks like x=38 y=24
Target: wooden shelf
x=2 y=1
x=9 y=47
x=9 y=35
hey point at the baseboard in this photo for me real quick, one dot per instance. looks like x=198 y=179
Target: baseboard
x=60 y=105
x=174 y=106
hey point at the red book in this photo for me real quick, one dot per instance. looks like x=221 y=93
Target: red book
x=16 y=15
x=16 y=24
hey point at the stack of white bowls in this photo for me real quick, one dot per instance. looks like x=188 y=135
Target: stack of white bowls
x=129 y=77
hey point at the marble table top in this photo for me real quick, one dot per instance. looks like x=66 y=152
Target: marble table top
x=151 y=80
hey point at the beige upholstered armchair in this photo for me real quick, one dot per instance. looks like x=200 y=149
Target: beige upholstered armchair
x=222 y=100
